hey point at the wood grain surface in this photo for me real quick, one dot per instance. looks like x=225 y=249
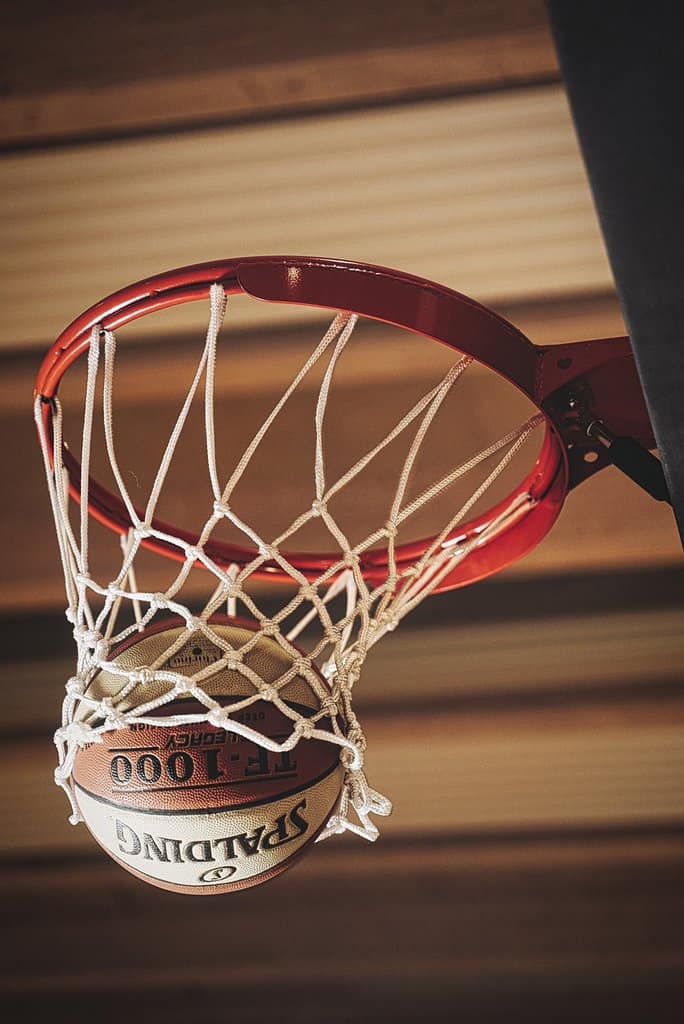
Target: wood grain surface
x=486 y=194
x=581 y=928
x=121 y=68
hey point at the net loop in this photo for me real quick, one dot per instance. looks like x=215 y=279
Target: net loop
x=364 y=801
x=341 y=611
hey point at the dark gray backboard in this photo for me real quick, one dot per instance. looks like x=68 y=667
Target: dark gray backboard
x=624 y=72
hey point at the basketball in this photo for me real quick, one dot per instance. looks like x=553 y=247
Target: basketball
x=195 y=808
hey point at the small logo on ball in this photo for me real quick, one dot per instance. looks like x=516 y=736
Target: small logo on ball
x=218 y=874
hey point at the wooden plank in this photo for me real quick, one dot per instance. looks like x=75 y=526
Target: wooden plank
x=450 y=771
x=561 y=319
x=641 y=990
x=486 y=194
x=552 y=929
x=150 y=65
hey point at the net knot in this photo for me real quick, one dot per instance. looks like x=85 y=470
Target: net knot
x=75 y=687
x=79 y=733
x=193 y=554
x=269 y=627
x=193 y=624
x=391 y=529
x=268 y=692
x=329 y=707
x=301 y=666
x=266 y=551
x=352 y=758
x=355 y=733
x=141 y=532
x=218 y=717
x=93 y=641
x=307 y=592
x=353 y=665
x=141 y=676
x=350 y=560
x=114 y=719
x=317 y=508
x=158 y=601
x=221 y=510
x=101 y=651
x=234 y=661
x=386 y=620
x=181 y=687
x=87 y=637
x=334 y=634
x=304 y=729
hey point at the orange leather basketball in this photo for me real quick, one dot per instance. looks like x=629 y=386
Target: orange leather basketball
x=194 y=807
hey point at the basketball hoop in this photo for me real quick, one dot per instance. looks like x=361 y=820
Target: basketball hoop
x=372 y=583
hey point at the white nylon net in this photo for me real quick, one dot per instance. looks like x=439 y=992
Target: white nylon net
x=334 y=658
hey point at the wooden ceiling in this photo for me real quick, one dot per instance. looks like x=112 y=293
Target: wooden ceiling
x=486 y=194
x=72 y=72
x=529 y=729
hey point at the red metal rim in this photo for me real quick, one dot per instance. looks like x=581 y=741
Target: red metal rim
x=403 y=300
